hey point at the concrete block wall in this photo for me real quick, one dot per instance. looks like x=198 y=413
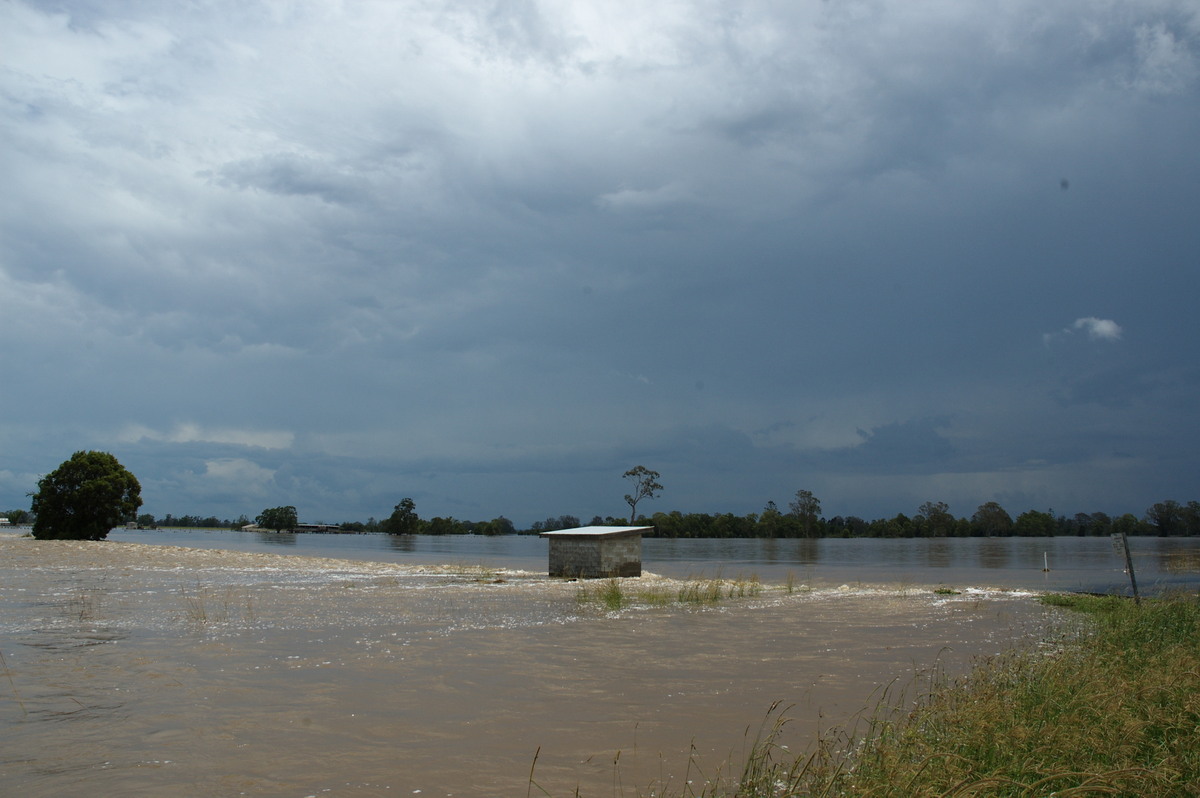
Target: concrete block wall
x=594 y=559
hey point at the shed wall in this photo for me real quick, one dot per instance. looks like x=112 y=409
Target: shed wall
x=596 y=558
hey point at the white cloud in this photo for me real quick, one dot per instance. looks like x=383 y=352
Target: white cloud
x=1165 y=62
x=194 y=433
x=239 y=473
x=1099 y=329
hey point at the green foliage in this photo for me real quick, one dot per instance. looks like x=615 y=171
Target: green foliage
x=1171 y=518
x=18 y=516
x=1033 y=523
x=616 y=594
x=278 y=518
x=561 y=522
x=403 y=520
x=444 y=526
x=611 y=595
x=935 y=519
x=191 y=522
x=497 y=526
x=84 y=498
x=1083 y=602
x=806 y=508
x=991 y=519
x=932 y=520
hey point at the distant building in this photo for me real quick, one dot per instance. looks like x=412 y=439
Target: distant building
x=298 y=528
x=596 y=552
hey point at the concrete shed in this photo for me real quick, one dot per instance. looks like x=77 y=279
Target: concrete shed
x=593 y=552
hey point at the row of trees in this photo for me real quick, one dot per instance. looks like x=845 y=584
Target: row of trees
x=91 y=493
x=933 y=519
x=148 y=521
x=803 y=520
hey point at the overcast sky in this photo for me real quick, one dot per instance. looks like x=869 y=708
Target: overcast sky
x=490 y=255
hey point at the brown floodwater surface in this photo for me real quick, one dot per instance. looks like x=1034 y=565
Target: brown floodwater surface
x=142 y=670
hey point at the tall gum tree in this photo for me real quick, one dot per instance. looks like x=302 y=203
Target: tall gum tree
x=645 y=486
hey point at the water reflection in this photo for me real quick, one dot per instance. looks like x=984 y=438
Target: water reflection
x=1076 y=563
x=1172 y=560
x=938 y=554
x=277 y=538
x=994 y=552
x=405 y=543
x=806 y=552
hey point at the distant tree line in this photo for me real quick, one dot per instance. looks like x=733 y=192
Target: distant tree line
x=405 y=521
x=803 y=520
x=932 y=520
x=148 y=521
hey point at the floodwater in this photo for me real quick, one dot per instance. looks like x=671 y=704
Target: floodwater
x=1083 y=564
x=143 y=670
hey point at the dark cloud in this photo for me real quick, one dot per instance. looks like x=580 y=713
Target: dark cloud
x=336 y=254
x=917 y=445
x=288 y=174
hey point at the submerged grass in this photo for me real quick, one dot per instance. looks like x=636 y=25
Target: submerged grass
x=205 y=605
x=615 y=594
x=1115 y=712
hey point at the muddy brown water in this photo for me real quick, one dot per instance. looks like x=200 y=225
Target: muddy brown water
x=138 y=670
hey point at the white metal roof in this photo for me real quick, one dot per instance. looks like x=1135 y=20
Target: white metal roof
x=596 y=531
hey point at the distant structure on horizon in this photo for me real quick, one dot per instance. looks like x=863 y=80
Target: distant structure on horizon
x=596 y=552
x=297 y=528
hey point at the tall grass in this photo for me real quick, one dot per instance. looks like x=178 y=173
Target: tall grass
x=1116 y=712
x=204 y=606
x=614 y=594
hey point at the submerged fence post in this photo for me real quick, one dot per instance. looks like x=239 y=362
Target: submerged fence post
x=1121 y=546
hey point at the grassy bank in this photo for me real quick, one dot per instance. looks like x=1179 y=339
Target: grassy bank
x=1115 y=711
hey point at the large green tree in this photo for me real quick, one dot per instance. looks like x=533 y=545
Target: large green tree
x=84 y=498
x=403 y=520
x=1034 y=523
x=938 y=521
x=991 y=520
x=806 y=508
x=278 y=518
x=1167 y=517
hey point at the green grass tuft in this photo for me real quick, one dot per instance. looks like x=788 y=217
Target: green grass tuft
x=616 y=594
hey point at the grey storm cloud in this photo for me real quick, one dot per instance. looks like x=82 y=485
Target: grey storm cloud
x=287 y=174
x=492 y=255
